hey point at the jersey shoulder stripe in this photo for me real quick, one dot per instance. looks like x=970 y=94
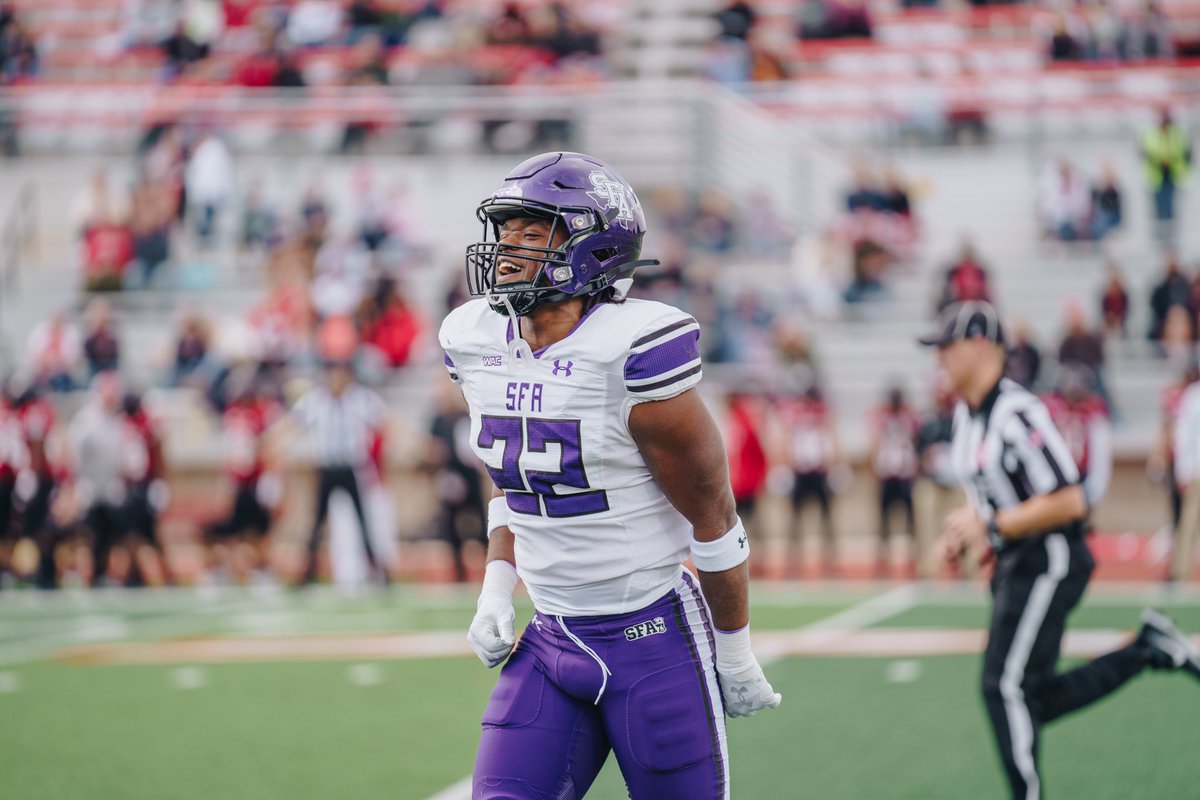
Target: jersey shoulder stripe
x=662 y=359
x=650 y=338
x=669 y=355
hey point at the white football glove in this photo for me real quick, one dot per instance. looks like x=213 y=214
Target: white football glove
x=743 y=685
x=491 y=635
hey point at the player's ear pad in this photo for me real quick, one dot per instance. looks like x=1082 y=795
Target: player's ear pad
x=669 y=719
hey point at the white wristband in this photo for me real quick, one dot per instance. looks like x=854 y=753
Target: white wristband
x=498 y=514
x=733 y=648
x=499 y=578
x=724 y=553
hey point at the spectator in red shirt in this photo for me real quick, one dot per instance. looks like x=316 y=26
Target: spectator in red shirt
x=395 y=328
x=260 y=68
x=1114 y=304
x=966 y=279
x=747 y=458
x=107 y=253
x=239 y=13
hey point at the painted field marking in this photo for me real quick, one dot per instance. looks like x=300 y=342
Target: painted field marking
x=10 y=683
x=459 y=790
x=189 y=678
x=904 y=670
x=364 y=675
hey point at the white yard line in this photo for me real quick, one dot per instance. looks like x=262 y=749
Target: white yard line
x=459 y=790
x=828 y=629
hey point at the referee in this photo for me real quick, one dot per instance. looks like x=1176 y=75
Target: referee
x=1025 y=501
x=343 y=417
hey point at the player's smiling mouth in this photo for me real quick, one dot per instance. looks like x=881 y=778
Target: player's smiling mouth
x=507 y=269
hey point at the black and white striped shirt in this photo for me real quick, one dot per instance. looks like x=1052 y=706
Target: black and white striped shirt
x=1008 y=451
x=341 y=427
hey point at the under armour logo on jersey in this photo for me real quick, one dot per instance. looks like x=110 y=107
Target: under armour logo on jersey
x=564 y=368
x=611 y=194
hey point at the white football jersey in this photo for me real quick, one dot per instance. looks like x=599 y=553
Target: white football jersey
x=594 y=532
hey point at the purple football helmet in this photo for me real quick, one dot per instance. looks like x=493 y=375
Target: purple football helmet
x=599 y=211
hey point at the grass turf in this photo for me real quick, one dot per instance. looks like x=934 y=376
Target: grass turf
x=298 y=731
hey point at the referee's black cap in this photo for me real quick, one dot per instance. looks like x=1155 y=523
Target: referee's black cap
x=973 y=319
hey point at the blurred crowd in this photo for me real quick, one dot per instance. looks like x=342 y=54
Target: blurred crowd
x=277 y=43
x=334 y=297
x=1073 y=209
x=184 y=209
x=758 y=41
x=1109 y=32
x=18 y=50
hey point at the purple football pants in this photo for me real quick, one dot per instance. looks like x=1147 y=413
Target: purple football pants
x=642 y=685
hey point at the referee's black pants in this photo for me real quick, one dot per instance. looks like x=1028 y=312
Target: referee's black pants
x=1035 y=586
x=329 y=480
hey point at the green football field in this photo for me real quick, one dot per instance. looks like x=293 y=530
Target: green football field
x=271 y=694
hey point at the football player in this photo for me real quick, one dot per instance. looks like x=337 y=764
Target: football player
x=893 y=456
x=813 y=455
x=610 y=474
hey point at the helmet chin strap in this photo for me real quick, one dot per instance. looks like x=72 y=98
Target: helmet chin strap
x=520 y=355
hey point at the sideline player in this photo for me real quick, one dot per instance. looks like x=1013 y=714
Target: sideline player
x=1027 y=503
x=813 y=455
x=893 y=457
x=611 y=473
x=1080 y=414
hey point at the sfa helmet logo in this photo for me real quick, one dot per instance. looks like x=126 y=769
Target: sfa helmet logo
x=610 y=194
x=641 y=630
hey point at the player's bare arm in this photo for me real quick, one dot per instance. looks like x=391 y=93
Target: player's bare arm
x=684 y=452
x=683 y=449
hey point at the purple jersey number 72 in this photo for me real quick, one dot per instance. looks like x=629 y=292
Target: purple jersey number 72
x=521 y=435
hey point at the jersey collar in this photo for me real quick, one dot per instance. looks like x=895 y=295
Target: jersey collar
x=989 y=401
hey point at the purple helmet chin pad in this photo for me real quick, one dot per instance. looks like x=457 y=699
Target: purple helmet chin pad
x=599 y=210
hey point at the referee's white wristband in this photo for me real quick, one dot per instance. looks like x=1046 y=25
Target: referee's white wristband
x=498 y=514
x=724 y=553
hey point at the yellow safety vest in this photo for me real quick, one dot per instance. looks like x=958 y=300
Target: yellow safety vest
x=1167 y=146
